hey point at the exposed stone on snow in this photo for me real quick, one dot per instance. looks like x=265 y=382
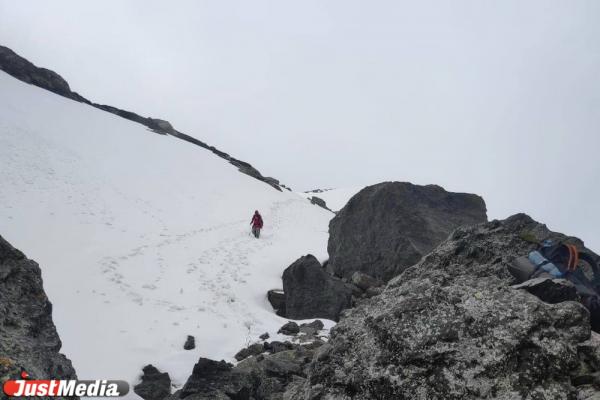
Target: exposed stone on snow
x=388 y=227
x=155 y=385
x=252 y=350
x=290 y=328
x=319 y=202
x=190 y=343
x=264 y=336
x=310 y=292
x=28 y=337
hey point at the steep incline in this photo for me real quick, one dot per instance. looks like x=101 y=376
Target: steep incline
x=143 y=238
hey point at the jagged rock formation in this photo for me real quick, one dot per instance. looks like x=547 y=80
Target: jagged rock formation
x=310 y=292
x=28 y=337
x=22 y=69
x=388 y=227
x=155 y=385
x=452 y=327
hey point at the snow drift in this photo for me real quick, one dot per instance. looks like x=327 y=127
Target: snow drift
x=142 y=238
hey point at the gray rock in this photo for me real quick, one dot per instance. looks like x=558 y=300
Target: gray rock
x=155 y=385
x=550 y=290
x=452 y=327
x=264 y=336
x=388 y=227
x=310 y=292
x=216 y=380
x=190 y=343
x=319 y=202
x=277 y=299
x=28 y=337
x=364 y=281
x=290 y=328
x=316 y=324
x=276 y=346
x=252 y=350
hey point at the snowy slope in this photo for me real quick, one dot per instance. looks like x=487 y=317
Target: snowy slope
x=336 y=199
x=142 y=238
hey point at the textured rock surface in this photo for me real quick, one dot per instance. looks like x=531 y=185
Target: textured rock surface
x=310 y=292
x=155 y=385
x=190 y=343
x=388 y=227
x=277 y=300
x=364 y=281
x=262 y=377
x=28 y=337
x=550 y=290
x=451 y=327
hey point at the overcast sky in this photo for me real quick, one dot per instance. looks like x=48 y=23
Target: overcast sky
x=500 y=98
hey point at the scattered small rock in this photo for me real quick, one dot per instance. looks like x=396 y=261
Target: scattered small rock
x=190 y=343
x=252 y=350
x=291 y=328
x=276 y=346
x=264 y=336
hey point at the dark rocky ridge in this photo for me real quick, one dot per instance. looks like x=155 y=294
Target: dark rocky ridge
x=452 y=327
x=388 y=227
x=28 y=337
x=22 y=69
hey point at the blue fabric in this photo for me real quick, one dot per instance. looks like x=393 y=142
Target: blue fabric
x=542 y=262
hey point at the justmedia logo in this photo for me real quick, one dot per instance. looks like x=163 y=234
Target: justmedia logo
x=64 y=388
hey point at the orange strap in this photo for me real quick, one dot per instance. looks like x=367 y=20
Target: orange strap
x=573 y=257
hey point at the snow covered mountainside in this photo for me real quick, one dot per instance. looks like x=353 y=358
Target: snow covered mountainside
x=142 y=238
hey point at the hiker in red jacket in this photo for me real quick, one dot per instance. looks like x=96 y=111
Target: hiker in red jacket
x=257 y=224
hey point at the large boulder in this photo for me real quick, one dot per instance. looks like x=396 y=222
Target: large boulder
x=310 y=292
x=452 y=327
x=28 y=337
x=388 y=227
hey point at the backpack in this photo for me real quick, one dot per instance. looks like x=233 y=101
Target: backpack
x=559 y=260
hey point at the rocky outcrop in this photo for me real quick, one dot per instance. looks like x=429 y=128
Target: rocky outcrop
x=155 y=385
x=388 y=227
x=310 y=292
x=20 y=68
x=452 y=327
x=259 y=377
x=28 y=337
x=319 y=202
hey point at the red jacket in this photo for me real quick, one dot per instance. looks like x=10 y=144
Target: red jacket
x=257 y=221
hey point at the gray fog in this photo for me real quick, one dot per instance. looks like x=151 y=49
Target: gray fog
x=497 y=98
